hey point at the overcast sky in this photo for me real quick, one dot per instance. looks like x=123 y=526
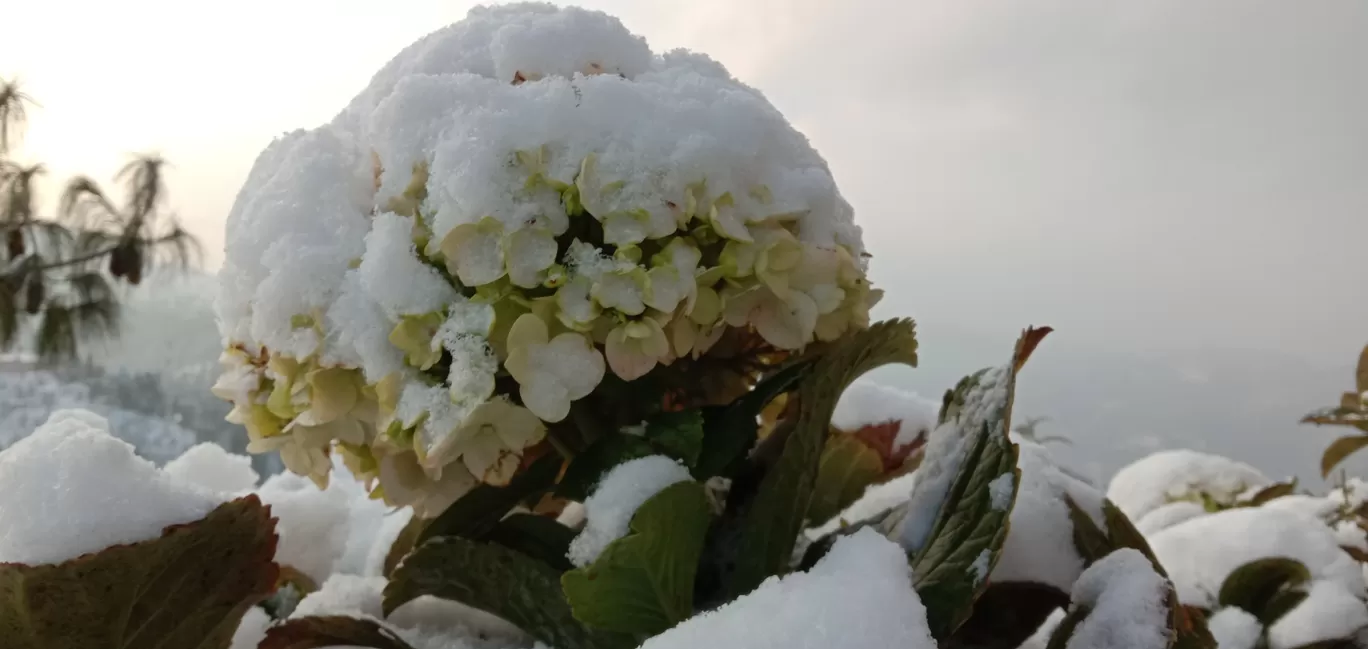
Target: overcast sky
x=1157 y=174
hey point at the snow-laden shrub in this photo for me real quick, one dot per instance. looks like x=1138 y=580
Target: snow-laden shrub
x=552 y=333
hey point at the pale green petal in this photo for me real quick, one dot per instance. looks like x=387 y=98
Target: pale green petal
x=530 y=252
x=576 y=363
x=624 y=229
x=474 y=252
x=546 y=397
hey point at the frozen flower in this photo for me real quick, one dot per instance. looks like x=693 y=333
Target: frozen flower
x=785 y=322
x=551 y=372
x=404 y=482
x=623 y=290
x=474 y=252
x=491 y=441
x=531 y=251
x=304 y=450
x=414 y=335
x=576 y=309
x=634 y=348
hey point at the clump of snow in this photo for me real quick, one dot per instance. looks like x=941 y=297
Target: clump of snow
x=210 y=466
x=1329 y=611
x=1200 y=553
x=71 y=488
x=877 y=499
x=1167 y=516
x=1166 y=476
x=945 y=451
x=610 y=508
x=866 y=403
x=252 y=630
x=1126 y=605
x=1234 y=628
x=1041 y=638
x=1039 y=546
x=1000 y=492
x=313 y=523
x=859 y=596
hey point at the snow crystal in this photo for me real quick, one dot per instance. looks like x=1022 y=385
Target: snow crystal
x=560 y=86
x=211 y=467
x=866 y=403
x=859 y=596
x=1234 y=628
x=313 y=523
x=252 y=630
x=877 y=499
x=1125 y=601
x=1000 y=492
x=1200 y=553
x=610 y=508
x=1039 y=546
x=1329 y=611
x=1166 y=516
x=945 y=451
x=72 y=488
x=1162 y=477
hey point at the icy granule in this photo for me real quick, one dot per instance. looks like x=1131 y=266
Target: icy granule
x=1200 y=553
x=1167 y=516
x=1329 y=611
x=211 y=467
x=866 y=403
x=252 y=630
x=946 y=448
x=71 y=488
x=1125 y=598
x=859 y=596
x=313 y=523
x=1234 y=628
x=610 y=508
x=1039 y=546
x=1154 y=480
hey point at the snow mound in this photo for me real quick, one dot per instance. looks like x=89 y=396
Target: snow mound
x=859 y=596
x=1330 y=611
x=313 y=524
x=1166 y=476
x=71 y=488
x=1234 y=628
x=1200 y=553
x=610 y=508
x=866 y=403
x=209 y=466
x=1166 y=516
x=1126 y=605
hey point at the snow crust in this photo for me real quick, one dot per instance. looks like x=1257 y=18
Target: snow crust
x=866 y=403
x=1152 y=481
x=610 y=508
x=1125 y=598
x=71 y=488
x=859 y=596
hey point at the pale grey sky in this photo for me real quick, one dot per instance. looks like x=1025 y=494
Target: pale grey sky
x=1146 y=175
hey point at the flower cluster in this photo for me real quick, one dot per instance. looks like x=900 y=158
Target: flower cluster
x=501 y=307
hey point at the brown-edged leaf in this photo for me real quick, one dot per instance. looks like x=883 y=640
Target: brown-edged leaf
x=316 y=632
x=187 y=589
x=1340 y=449
x=1361 y=374
x=847 y=467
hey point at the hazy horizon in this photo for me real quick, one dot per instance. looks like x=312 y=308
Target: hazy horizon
x=1143 y=177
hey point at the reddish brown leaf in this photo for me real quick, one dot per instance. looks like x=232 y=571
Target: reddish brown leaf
x=330 y=631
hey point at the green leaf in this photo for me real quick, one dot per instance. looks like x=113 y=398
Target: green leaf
x=500 y=581
x=1257 y=584
x=589 y=467
x=539 y=537
x=1339 y=450
x=951 y=566
x=774 y=518
x=679 y=434
x=730 y=431
x=404 y=543
x=476 y=513
x=318 y=632
x=643 y=583
x=847 y=467
x=187 y=589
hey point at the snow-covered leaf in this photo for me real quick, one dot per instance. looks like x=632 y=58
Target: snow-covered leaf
x=773 y=519
x=1271 y=492
x=187 y=589
x=847 y=467
x=1266 y=588
x=500 y=581
x=318 y=632
x=643 y=583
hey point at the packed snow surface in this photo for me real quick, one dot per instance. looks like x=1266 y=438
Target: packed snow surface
x=859 y=596
x=610 y=508
x=1125 y=601
x=71 y=488
x=1163 y=477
